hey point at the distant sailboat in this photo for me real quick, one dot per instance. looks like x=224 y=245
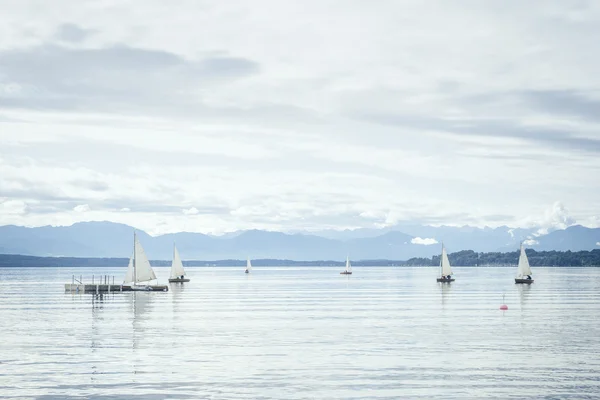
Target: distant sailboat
x=445 y=267
x=348 y=270
x=177 y=271
x=248 y=266
x=523 y=270
x=140 y=270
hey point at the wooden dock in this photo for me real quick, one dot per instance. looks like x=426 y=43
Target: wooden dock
x=88 y=288
x=103 y=285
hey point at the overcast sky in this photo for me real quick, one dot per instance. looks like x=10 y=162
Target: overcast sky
x=215 y=116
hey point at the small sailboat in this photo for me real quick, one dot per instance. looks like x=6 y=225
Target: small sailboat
x=523 y=270
x=446 y=271
x=139 y=272
x=177 y=271
x=248 y=266
x=348 y=270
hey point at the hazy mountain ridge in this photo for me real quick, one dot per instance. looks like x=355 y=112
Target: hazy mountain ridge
x=107 y=240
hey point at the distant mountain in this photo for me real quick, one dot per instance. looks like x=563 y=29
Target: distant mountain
x=107 y=239
x=574 y=238
x=502 y=238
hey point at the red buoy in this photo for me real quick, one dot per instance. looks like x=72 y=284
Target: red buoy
x=503 y=306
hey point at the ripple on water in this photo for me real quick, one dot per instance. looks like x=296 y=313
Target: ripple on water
x=303 y=333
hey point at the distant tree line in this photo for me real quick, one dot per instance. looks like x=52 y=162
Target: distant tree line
x=462 y=258
x=536 y=258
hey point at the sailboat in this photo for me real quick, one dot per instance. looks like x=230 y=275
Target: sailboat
x=248 y=266
x=177 y=271
x=523 y=270
x=348 y=270
x=446 y=271
x=140 y=270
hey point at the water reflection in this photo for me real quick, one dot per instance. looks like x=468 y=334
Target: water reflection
x=141 y=304
x=446 y=289
x=97 y=301
x=524 y=293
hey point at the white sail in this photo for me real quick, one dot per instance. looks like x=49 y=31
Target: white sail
x=524 y=268
x=248 y=265
x=176 y=265
x=139 y=269
x=143 y=269
x=129 y=273
x=348 y=266
x=445 y=263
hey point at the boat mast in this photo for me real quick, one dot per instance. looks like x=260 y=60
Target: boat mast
x=134 y=275
x=442 y=261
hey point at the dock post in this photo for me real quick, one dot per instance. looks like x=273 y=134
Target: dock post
x=97 y=289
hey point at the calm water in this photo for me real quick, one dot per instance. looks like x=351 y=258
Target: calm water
x=303 y=333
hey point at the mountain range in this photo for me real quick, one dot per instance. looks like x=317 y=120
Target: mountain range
x=108 y=239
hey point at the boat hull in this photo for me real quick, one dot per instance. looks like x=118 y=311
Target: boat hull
x=175 y=280
x=526 y=281
x=445 y=280
x=345 y=273
x=149 y=288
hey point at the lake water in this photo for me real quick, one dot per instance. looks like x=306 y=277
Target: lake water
x=303 y=333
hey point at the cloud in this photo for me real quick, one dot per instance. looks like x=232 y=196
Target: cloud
x=574 y=103
x=81 y=208
x=190 y=211
x=597 y=243
x=13 y=207
x=555 y=217
x=530 y=242
x=424 y=241
x=72 y=33
x=341 y=128
x=125 y=209
x=112 y=78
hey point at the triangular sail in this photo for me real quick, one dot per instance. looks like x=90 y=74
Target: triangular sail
x=139 y=269
x=445 y=263
x=523 y=268
x=348 y=266
x=176 y=265
x=249 y=265
x=129 y=273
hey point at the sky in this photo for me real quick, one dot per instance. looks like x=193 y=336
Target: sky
x=214 y=116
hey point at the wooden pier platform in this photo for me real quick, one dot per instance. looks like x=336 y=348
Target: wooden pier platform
x=107 y=288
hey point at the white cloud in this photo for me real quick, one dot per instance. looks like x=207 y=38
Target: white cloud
x=530 y=242
x=125 y=209
x=344 y=127
x=12 y=207
x=597 y=243
x=81 y=208
x=555 y=217
x=424 y=241
x=190 y=211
